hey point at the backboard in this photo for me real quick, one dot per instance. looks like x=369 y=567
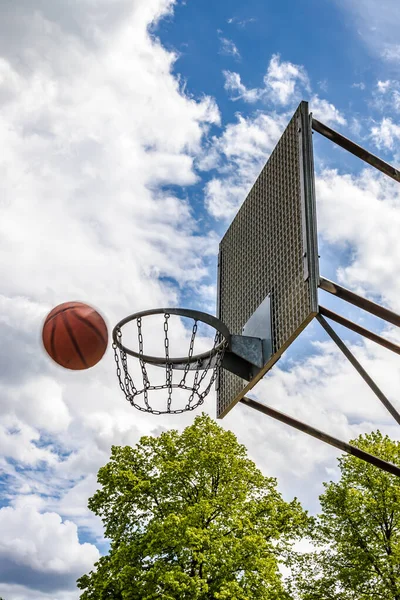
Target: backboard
x=268 y=258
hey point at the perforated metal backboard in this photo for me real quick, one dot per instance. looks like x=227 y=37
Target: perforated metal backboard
x=270 y=250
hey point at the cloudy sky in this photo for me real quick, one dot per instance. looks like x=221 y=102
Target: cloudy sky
x=131 y=131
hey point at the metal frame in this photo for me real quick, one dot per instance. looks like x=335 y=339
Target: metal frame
x=349 y=296
x=311 y=270
x=377 y=310
x=309 y=210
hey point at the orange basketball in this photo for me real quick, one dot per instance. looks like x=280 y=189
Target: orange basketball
x=75 y=335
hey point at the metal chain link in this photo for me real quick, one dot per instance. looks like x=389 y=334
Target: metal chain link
x=196 y=398
x=191 y=350
x=166 y=340
x=146 y=381
x=168 y=366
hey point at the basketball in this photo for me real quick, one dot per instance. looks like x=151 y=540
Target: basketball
x=75 y=335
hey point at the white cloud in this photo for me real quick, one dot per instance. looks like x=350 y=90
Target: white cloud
x=73 y=504
x=229 y=48
x=396 y=100
x=323 y=85
x=386 y=133
x=223 y=198
x=79 y=157
x=360 y=86
x=383 y=86
x=18 y=441
x=244 y=147
x=282 y=79
x=233 y=84
x=376 y=24
x=21 y=592
x=283 y=83
x=355 y=127
x=392 y=52
x=326 y=111
x=41 y=403
x=241 y=22
x=386 y=98
x=251 y=138
x=93 y=122
x=43 y=542
x=362 y=213
x=85 y=123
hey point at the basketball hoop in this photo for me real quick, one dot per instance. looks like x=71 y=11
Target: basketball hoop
x=268 y=282
x=204 y=366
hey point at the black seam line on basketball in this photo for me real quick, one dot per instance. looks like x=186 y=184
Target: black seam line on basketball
x=52 y=341
x=74 y=305
x=73 y=340
x=91 y=325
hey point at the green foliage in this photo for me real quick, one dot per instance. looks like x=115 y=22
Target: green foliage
x=358 y=532
x=190 y=517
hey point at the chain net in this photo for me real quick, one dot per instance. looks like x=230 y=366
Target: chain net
x=204 y=372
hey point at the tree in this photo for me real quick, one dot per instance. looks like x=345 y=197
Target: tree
x=357 y=533
x=190 y=516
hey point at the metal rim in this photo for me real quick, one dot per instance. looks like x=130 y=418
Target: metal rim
x=181 y=312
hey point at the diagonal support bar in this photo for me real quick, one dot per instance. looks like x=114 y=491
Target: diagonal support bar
x=371 y=159
x=368 y=305
x=350 y=356
x=329 y=314
x=324 y=437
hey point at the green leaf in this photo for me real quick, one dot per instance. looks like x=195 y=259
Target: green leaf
x=190 y=517
x=357 y=532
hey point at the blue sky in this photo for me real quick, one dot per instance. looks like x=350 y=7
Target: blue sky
x=131 y=133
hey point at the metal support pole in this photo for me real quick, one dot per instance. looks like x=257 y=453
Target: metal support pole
x=342 y=346
x=340 y=140
x=368 y=305
x=325 y=312
x=324 y=437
